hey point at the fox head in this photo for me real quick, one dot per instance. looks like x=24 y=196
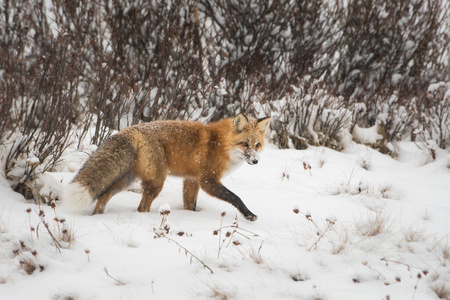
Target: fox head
x=248 y=137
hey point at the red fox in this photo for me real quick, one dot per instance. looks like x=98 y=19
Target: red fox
x=199 y=153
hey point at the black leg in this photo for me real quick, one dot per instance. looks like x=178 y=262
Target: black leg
x=218 y=190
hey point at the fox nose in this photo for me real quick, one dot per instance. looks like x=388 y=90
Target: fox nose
x=255 y=161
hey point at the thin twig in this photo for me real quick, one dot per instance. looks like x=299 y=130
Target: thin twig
x=230 y=234
x=400 y=263
x=220 y=234
x=321 y=235
x=115 y=279
x=242 y=229
x=41 y=216
x=419 y=276
x=376 y=271
x=190 y=253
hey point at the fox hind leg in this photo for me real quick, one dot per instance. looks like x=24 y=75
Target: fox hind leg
x=150 y=190
x=190 y=193
x=101 y=202
x=103 y=199
x=152 y=169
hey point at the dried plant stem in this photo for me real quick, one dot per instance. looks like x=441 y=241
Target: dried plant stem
x=29 y=220
x=43 y=221
x=377 y=272
x=400 y=263
x=419 y=276
x=115 y=279
x=220 y=235
x=186 y=251
x=230 y=234
x=319 y=232
x=321 y=235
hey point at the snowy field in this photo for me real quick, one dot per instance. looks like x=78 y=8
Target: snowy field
x=356 y=225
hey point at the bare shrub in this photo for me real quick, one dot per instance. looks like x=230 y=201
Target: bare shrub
x=308 y=114
x=391 y=42
x=253 y=42
x=435 y=116
x=40 y=92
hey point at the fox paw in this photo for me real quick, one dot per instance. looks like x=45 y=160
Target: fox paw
x=252 y=217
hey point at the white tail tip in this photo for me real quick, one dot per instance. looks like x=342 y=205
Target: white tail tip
x=76 y=197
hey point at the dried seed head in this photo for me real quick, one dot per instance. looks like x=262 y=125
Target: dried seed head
x=223 y=214
x=215 y=232
x=28 y=210
x=331 y=220
x=164 y=209
x=296 y=211
x=228 y=234
x=53 y=205
x=41 y=213
x=167 y=228
x=28 y=266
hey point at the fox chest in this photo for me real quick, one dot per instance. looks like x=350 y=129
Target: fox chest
x=235 y=160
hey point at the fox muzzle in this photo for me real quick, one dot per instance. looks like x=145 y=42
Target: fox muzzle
x=251 y=156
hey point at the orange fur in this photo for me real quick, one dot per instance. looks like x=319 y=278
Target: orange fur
x=150 y=151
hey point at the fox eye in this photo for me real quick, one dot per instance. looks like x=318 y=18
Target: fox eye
x=244 y=144
x=258 y=145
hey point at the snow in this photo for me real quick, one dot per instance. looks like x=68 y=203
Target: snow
x=366 y=135
x=435 y=86
x=33 y=160
x=366 y=226
x=396 y=78
x=164 y=209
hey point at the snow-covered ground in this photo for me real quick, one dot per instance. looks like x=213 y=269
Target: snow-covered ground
x=357 y=225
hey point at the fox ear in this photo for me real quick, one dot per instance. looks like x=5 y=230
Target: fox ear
x=262 y=124
x=240 y=122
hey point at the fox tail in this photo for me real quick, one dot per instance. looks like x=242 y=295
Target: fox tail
x=76 y=197
x=112 y=162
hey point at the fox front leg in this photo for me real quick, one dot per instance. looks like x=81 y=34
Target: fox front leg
x=218 y=190
x=190 y=192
